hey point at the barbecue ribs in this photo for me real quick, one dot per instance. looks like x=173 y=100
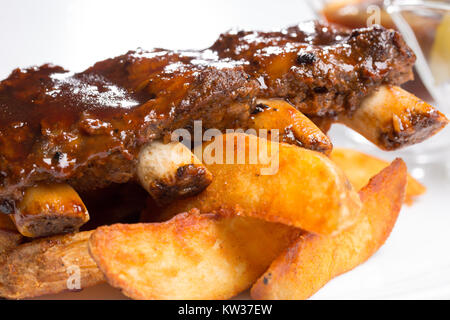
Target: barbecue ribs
x=87 y=128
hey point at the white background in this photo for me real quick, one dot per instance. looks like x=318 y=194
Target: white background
x=414 y=263
x=77 y=33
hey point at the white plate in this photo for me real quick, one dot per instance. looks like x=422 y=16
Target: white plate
x=415 y=261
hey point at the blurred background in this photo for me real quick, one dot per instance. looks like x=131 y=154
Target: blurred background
x=75 y=34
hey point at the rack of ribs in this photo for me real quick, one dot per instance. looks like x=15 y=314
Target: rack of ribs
x=101 y=126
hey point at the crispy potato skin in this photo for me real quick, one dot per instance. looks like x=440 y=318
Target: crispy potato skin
x=9 y=236
x=293 y=126
x=43 y=266
x=192 y=256
x=308 y=191
x=311 y=261
x=360 y=167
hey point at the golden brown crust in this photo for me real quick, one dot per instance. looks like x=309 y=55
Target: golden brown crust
x=45 y=266
x=192 y=256
x=360 y=167
x=311 y=261
x=290 y=185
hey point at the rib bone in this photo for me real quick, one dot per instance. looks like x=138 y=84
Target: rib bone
x=170 y=171
x=49 y=209
x=392 y=118
x=294 y=127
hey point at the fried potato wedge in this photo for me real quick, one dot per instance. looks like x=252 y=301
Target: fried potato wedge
x=192 y=256
x=311 y=261
x=47 y=266
x=307 y=190
x=360 y=167
x=392 y=118
x=9 y=236
x=292 y=125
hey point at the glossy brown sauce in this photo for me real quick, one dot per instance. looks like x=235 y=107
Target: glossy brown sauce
x=322 y=69
x=356 y=14
x=87 y=128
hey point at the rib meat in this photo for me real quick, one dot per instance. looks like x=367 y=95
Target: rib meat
x=322 y=69
x=87 y=128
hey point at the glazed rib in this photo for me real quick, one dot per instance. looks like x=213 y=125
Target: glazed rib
x=87 y=128
x=322 y=69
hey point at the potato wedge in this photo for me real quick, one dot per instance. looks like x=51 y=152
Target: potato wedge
x=192 y=256
x=311 y=261
x=308 y=190
x=360 y=167
x=9 y=236
x=49 y=265
x=292 y=125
